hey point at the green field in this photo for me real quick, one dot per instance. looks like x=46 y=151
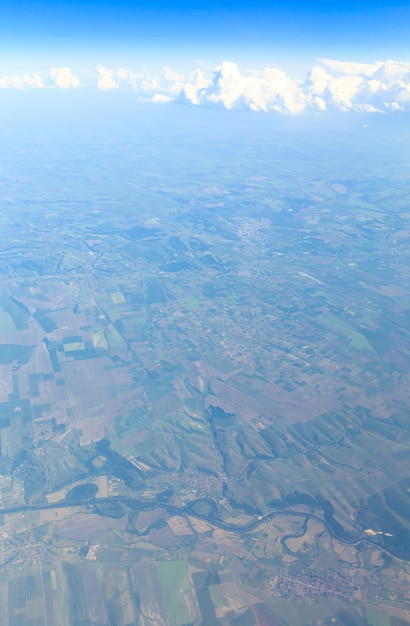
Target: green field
x=175 y=586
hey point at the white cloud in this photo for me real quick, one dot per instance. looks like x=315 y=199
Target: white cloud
x=194 y=90
x=124 y=74
x=63 y=78
x=174 y=82
x=22 y=81
x=331 y=84
x=161 y=98
x=270 y=89
x=317 y=81
x=283 y=93
x=106 y=79
x=351 y=68
x=343 y=91
x=402 y=93
x=260 y=91
x=392 y=70
x=139 y=81
x=319 y=102
x=361 y=87
x=228 y=86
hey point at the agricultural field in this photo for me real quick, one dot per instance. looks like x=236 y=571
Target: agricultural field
x=204 y=384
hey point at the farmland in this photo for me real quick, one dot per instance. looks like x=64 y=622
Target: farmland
x=204 y=386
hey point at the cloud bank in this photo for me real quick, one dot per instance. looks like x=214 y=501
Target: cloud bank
x=22 y=81
x=382 y=86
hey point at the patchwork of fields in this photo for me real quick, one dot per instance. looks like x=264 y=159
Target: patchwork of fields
x=204 y=387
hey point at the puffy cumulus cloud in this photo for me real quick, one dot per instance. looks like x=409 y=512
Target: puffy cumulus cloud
x=170 y=85
x=401 y=93
x=271 y=90
x=382 y=86
x=161 y=98
x=259 y=91
x=344 y=86
x=348 y=86
x=63 y=78
x=282 y=93
x=106 y=80
x=139 y=81
x=174 y=82
x=341 y=91
x=194 y=90
x=228 y=86
x=22 y=81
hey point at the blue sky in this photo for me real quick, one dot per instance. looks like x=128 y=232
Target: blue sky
x=287 y=56
x=286 y=34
